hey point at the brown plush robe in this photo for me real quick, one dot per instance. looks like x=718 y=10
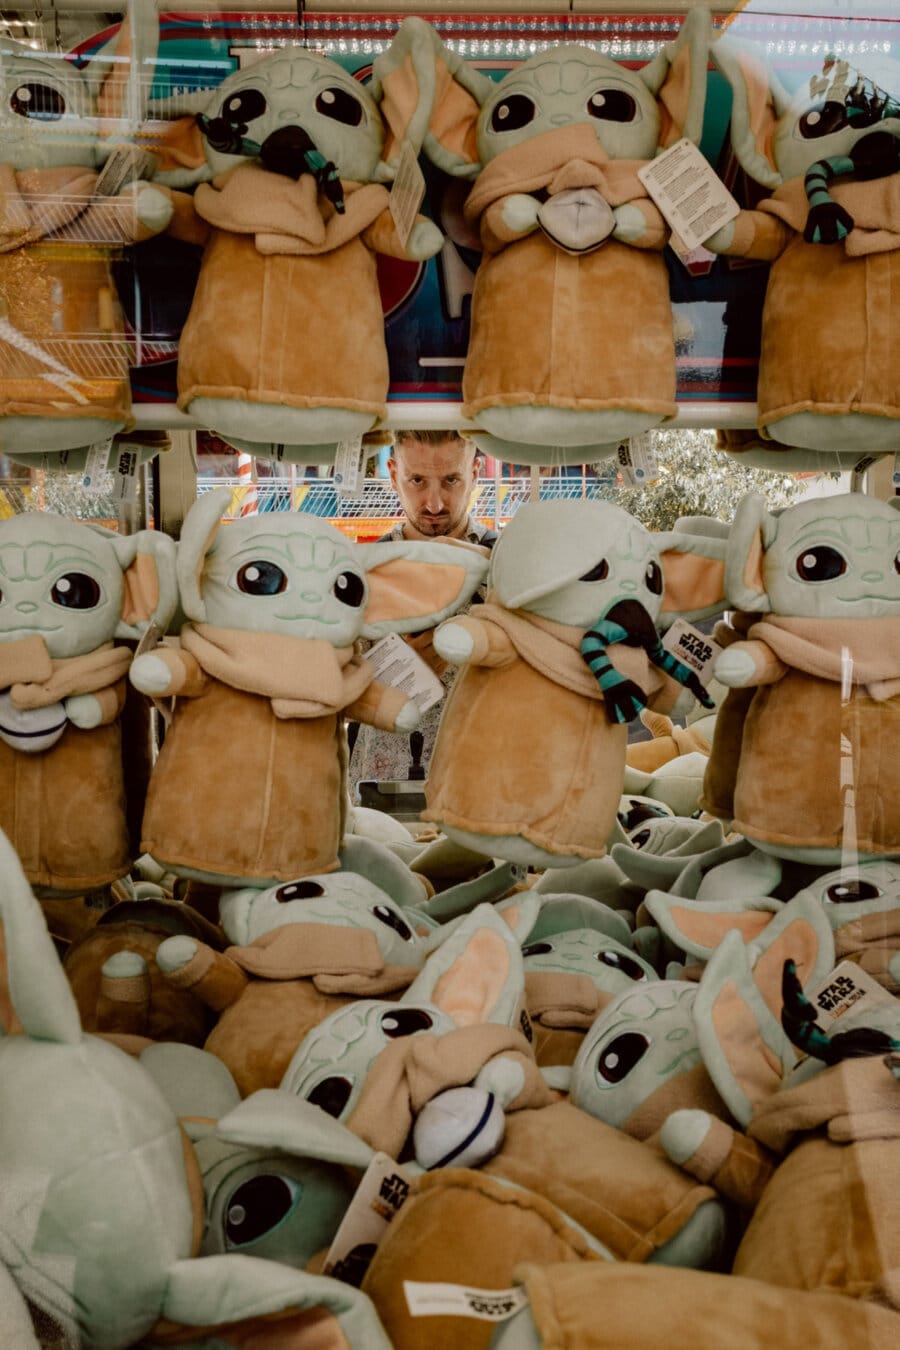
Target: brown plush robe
x=550 y=329
x=287 y=289
x=63 y=809
x=525 y=746
x=818 y=769
x=830 y=323
x=56 y=245
x=250 y=781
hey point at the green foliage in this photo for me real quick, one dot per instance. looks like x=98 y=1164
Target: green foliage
x=696 y=479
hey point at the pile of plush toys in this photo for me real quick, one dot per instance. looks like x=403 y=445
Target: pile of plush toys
x=609 y=1056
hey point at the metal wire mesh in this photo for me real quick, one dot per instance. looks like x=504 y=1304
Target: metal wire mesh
x=62 y=494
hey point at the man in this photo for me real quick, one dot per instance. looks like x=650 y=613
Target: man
x=433 y=474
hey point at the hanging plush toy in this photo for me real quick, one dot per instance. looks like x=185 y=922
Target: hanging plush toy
x=571 y=343
x=63 y=354
x=564 y=654
x=67 y=590
x=293 y=207
x=814 y=763
x=265 y=672
x=830 y=156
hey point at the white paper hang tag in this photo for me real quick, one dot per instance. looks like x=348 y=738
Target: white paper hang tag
x=376 y=1200
x=460 y=1300
x=95 y=466
x=689 y=193
x=397 y=664
x=126 y=164
x=847 y=987
x=348 y=468
x=125 y=488
x=636 y=460
x=407 y=192
x=693 y=648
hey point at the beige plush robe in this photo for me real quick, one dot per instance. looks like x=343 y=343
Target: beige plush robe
x=831 y=322
x=250 y=781
x=550 y=329
x=525 y=746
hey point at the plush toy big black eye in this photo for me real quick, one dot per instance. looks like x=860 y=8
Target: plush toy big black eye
x=845 y=892
x=537 y=949
x=822 y=121
x=405 y=1022
x=340 y=106
x=75 y=590
x=256 y=1207
x=822 y=563
x=640 y=838
x=897 y=562
x=619 y=961
x=612 y=105
x=261 y=578
x=621 y=1055
x=299 y=890
x=331 y=1094
x=637 y=813
x=598 y=573
x=38 y=102
x=243 y=106
x=653 y=578
x=513 y=112
x=392 y=920
x=350 y=589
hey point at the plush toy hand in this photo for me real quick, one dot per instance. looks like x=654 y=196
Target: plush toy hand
x=409 y=716
x=462 y=1127
x=454 y=643
x=175 y=953
x=84 y=711
x=631 y=224
x=578 y=220
x=827 y=223
x=734 y=668
x=150 y=674
x=503 y=1078
x=722 y=239
x=521 y=212
x=683 y=1133
x=152 y=207
x=425 y=240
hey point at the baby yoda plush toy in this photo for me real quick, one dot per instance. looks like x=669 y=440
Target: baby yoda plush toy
x=295 y=156
x=265 y=672
x=815 y=767
x=566 y=652
x=830 y=157
x=64 y=381
x=571 y=342
x=68 y=590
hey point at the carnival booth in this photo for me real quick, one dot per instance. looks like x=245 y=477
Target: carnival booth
x=581 y=1030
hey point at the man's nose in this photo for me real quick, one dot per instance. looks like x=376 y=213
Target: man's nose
x=434 y=499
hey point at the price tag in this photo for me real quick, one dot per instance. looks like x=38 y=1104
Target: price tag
x=407 y=192
x=377 y=1198
x=396 y=663
x=126 y=164
x=348 y=468
x=689 y=193
x=848 y=986
x=95 y=466
x=125 y=488
x=636 y=460
x=694 y=649
x=459 y=1300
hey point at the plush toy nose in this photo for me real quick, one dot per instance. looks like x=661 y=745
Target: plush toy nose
x=284 y=151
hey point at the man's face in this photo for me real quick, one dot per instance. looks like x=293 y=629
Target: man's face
x=434 y=483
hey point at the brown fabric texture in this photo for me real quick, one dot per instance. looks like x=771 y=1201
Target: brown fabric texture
x=558 y=782
x=717 y=797
x=575 y=351
x=625 y=1307
x=836 y=358
x=280 y=266
x=798 y=799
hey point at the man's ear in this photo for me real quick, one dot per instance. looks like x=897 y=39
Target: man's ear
x=417 y=584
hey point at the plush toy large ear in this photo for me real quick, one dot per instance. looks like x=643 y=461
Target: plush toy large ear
x=692 y=555
x=120 y=74
x=415 y=585
x=150 y=594
x=238 y=1301
x=476 y=975
x=752 y=533
x=759 y=101
x=200 y=527
x=430 y=97
x=696 y=927
x=677 y=76
x=271 y=1118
